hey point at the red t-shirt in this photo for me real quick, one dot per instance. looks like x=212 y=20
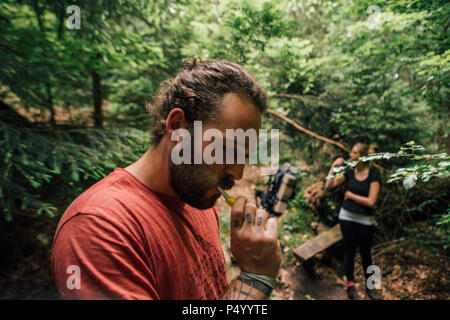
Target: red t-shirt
x=121 y=240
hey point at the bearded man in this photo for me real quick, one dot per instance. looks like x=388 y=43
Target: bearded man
x=151 y=230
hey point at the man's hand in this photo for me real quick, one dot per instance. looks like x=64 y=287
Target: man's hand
x=254 y=239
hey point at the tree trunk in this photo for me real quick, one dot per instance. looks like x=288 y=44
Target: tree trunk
x=50 y=104
x=97 y=95
x=62 y=19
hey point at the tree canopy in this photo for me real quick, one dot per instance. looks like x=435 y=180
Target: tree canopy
x=72 y=101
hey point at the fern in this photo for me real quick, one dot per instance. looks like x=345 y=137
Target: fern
x=44 y=170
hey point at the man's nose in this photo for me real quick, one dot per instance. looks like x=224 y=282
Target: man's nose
x=235 y=170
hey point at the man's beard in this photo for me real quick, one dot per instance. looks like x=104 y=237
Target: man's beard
x=192 y=181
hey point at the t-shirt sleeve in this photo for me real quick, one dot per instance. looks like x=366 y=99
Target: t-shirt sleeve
x=375 y=176
x=95 y=258
x=347 y=174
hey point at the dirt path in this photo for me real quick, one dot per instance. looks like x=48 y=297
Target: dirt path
x=298 y=284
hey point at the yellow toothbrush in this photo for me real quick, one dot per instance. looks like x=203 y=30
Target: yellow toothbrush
x=228 y=199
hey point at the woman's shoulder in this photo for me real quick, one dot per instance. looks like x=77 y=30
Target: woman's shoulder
x=374 y=174
x=374 y=170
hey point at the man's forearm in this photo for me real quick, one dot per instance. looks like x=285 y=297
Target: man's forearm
x=239 y=290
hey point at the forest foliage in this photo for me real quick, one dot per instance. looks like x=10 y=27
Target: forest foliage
x=371 y=71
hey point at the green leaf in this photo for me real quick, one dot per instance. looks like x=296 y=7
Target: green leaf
x=75 y=175
x=410 y=181
x=35 y=184
x=8 y=215
x=7 y=157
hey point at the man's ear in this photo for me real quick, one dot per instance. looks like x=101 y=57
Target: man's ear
x=175 y=120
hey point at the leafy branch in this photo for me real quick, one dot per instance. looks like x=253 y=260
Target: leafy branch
x=427 y=166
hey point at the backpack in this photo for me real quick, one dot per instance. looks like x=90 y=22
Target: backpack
x=281 y=188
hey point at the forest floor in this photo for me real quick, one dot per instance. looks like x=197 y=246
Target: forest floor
x=26 y=249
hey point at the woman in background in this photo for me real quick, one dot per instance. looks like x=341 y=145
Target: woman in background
x=355 y=215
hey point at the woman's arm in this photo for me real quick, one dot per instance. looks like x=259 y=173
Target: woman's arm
x=365 y=201
x=335 y=181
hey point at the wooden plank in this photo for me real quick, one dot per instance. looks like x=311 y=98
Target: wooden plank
x=280 y=207
x=285 y=192
x=318 y=244
x=286 y=188
x=288 y=179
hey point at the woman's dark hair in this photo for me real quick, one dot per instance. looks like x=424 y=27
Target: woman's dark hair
x=199 y=89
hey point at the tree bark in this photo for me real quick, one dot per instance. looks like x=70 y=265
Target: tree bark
x=97 y=96
x=50 y=104
x=38 y=12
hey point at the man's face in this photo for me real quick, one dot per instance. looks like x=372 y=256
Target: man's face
x=196 y=184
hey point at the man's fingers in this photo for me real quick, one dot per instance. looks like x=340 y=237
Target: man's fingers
x=249 y=215
x=237 y=213
x=272 y=227
x=261 y=218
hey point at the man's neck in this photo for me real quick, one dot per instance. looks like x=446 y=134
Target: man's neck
x=152 y=169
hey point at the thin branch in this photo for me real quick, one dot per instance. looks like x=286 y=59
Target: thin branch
x=308 y=132
x=430 y=193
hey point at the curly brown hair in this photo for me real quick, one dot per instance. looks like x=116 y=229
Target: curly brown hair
x=198 y=90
